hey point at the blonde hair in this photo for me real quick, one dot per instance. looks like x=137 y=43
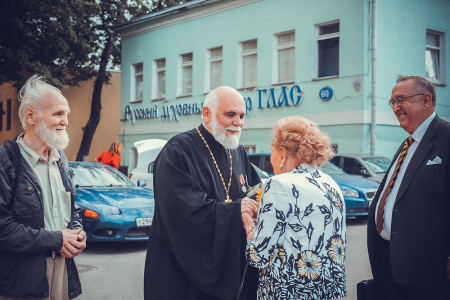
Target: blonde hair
x=115 y=148
x=302 y=139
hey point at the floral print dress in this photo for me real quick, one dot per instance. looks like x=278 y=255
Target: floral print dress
x=300 y=239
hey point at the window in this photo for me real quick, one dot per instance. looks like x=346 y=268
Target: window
x=159 y=79
x=335 y=148
x=336 y=160
x=327 y=49
x=185 y=75
x=248 y=66
x=352 y=166
x=285 y=58
x=215 y=68
x=434 y=60
x=250 y=148
x=137 y=82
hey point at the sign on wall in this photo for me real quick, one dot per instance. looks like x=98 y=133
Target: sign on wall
x=265 y=99
x=326 y=93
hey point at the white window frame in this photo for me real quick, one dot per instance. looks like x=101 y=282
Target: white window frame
x=319 y=38
x=209 y=61
x=155 y=83
x=275 y=64
x=134 y=82
x=440 y=50
x=242 y=54
x=182 y=67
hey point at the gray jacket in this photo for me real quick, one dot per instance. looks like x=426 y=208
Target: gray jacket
x=23 y=239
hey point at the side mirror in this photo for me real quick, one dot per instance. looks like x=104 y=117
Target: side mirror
x=364 y=172
x=141 y=183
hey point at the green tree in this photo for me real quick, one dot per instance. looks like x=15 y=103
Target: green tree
x=113 y=12
x=68 y=42
x=49 y=37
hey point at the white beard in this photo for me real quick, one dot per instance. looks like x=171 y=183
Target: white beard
x=51 y=138
x=219 y=133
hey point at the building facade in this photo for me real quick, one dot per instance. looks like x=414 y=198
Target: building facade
x=334 y=62
x=79 y=99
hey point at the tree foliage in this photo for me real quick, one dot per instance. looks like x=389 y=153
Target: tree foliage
x=113 y=12
x=67 y=41
x=50 y=37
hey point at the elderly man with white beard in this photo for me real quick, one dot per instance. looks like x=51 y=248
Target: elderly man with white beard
x=40 y=229
x=197 y=241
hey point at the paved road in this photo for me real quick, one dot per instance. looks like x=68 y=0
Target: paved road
x=115 y=271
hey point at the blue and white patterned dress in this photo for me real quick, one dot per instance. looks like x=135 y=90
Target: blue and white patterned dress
x=300 y=239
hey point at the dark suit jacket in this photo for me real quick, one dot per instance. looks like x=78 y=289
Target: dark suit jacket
x=420 y=232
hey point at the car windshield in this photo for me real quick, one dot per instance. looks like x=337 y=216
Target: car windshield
x=330 y=169
x=87 y=176
x=378 y=164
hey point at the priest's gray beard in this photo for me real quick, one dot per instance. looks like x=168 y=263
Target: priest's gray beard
x=219 y=133
x=52 y=138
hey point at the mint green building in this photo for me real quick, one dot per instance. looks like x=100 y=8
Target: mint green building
x=333 y=62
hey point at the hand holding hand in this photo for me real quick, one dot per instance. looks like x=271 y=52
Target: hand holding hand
x=249 y=225
x=250 y=207
x=69 y=234
x=74 y=246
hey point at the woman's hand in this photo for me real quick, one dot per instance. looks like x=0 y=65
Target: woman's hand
x=249 y=211
x=250 y=207
x=249 y=225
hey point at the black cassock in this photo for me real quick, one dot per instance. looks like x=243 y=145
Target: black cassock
x=196 y=248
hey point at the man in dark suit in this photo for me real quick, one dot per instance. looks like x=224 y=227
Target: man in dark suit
x=408 y=231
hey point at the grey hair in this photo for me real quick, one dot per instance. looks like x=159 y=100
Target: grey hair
x=421 y=85
x=32 y=93
x=211 y=101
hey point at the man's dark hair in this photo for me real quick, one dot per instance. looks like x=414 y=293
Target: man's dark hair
x=421 y=85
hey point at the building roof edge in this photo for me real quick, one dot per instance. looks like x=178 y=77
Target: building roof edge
x=165 y=13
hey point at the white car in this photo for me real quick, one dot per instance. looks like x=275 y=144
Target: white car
x=365 y=165
x=142 y=159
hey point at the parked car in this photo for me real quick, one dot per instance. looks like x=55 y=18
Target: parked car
x=262 y=161
x=262 y=174
x=112 y=207
x=366 y=165
x=358 y=192
x=142 y=159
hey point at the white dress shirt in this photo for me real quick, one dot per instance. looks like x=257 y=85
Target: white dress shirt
x=390 y=201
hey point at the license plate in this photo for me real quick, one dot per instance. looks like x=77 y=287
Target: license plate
x=144 y=222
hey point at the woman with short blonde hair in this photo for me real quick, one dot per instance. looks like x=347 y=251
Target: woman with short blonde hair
x=298 y=241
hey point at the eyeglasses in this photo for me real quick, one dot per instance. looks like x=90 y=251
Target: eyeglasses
x=401 y=99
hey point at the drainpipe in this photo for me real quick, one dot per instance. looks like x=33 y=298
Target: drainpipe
x=373 y=124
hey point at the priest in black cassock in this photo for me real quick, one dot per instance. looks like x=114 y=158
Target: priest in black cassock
x=196 y=249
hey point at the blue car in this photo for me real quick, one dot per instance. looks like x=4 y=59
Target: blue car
x=358 y=192
x=112 y=207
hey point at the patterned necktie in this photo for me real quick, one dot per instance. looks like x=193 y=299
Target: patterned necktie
x=401 y=158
